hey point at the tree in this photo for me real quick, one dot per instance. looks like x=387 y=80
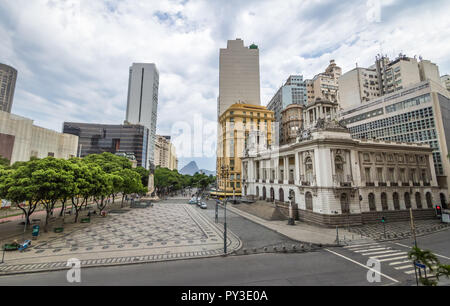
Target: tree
x=4 y=162
x=131 y=183
x=426 y=258
x=52 y=180
x=144 y=174
x=16 y=186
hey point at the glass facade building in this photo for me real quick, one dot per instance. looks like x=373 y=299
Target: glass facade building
x=99 y=138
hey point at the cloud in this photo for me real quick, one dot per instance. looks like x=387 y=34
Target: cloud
x=73 y=56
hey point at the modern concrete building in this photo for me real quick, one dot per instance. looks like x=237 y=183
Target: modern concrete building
x=165 y=153
x=126 y=140
x=362 y=85
x=237 y=124
x=8 y=77
x=331 y=179
x=20 y=140
x=142 y=105
x=238 y=75
x=418 y=113
x=291 y=123
x=324 y=86
x=445 y=79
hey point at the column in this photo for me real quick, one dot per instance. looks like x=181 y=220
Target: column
x=297 y=170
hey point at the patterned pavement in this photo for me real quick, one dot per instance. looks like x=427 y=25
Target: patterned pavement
x=166 y=231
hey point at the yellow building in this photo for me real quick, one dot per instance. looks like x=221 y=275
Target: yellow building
x=236 y=124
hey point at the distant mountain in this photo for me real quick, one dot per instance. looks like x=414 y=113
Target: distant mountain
x=192 y=168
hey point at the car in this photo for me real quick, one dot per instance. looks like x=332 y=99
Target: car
x=199 y=202
x=192 y=201
x=203 y=205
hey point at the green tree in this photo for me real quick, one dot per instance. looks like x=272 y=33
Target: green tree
x=131 y=183
x=426 y=258
x=4 y=162
x=144 y=174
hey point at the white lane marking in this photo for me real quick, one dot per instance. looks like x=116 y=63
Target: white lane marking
x=395 y=258
x=400 y=262
x=360 y=245
x=380 y=252
x=388 y=255
x=355 y=262
x=403 y=267
x=409 y=247
x=370 y=250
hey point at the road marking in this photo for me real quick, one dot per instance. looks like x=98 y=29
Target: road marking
x=359 y=245
x=371 y=269
x=403 y=267
x=409 y=247
x=395 y=258
x=400 y=262
x=379 y=252
x=370 y=250
x=388 y=255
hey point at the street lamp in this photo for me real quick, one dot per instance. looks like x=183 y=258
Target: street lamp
x=291 y=213
x=225 y=174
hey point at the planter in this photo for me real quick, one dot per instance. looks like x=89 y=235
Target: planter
x=11 y=247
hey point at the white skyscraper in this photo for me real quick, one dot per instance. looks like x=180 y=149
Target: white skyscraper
x=142 y=105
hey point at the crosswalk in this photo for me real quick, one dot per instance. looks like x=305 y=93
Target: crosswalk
x=397 y=259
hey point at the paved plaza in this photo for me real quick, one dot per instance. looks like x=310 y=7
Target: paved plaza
x=166 y=231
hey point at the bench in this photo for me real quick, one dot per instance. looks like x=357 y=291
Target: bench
x=58 y=229
x=85 y=220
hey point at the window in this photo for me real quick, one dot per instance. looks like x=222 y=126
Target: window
x=372 y=206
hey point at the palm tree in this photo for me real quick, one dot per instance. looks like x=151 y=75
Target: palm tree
x=443 y=270
x=428 y=259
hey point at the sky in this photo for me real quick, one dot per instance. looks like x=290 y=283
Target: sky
x=73 y=56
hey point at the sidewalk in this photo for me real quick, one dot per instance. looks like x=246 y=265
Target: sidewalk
x=303 y=232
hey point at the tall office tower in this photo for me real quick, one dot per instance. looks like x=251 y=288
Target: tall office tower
x=8 y=77
x=142 y=105
x=445 y=79
x=238 y=75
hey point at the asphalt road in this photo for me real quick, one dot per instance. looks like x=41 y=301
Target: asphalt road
x=325 y=267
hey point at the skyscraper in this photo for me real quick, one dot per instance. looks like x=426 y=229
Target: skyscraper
x=142 y=105
x=8 y=77
x=238 y=75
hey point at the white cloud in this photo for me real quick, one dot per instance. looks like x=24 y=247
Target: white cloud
x=73 y=56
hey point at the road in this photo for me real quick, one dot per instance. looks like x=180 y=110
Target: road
x=324 y=267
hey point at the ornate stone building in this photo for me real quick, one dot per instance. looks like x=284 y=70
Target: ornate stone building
x=333 y=179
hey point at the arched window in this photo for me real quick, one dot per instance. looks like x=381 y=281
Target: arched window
x=309 y=201
x=292 y=195
x=309 y=169
x=418 y=200
x=339 y=164
x=396 y=201
x=443 y=201
x=264 y=193
x=281 y=195
x=245 y=190
x=407 y=200
x=257 y=192
x=272 y=195
x=372 y=205
x=384 y=204
x=345 y=205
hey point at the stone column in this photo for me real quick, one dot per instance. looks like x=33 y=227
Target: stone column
x=297 y=169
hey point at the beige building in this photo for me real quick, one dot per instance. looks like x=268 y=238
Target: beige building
x=331 y=179
x=324 y=85
x=238 y=75
x=236 y=125
x=291 y=123
x=445 y=79
x=362 y=85
x=20 y=140
x=165 y=153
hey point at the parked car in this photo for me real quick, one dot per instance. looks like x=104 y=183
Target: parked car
x=203 y=205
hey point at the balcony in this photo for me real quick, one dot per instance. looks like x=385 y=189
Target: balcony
x=405 y=184
x=370 y=184
x=342 y=180
x=307 y=180
x=383 y=184
x=393 y=184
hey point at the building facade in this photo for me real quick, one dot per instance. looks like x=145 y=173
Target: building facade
x=419 y=113
x=445 y=79
x=165 y=153
x=125 y=140
x=8 y=77
x=20 y=140
x=142 y=103
x=324 y=85
x=238 y=75
x=362 y=85
x=291 y=123
x=331 y=179
x=236 y=125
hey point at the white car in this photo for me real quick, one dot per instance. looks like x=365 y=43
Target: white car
x=203 y=205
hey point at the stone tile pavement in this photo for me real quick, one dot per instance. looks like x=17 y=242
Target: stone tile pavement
x=166 y=231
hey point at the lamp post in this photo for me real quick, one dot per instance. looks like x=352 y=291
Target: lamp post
x=291 y=213
x=225 y=174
